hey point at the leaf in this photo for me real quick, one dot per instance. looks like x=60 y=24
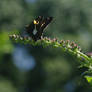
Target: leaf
x=89 y=79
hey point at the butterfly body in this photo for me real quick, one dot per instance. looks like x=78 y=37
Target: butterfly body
x=36 y=28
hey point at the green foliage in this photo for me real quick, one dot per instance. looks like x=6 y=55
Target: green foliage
x=6 y=86
x=60 y=65
x=65 y=46
x=5 y=43
x=89 y=79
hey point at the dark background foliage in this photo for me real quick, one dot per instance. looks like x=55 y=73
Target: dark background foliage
x=24 y=68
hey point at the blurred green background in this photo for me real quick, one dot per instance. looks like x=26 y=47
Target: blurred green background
x=24 y=68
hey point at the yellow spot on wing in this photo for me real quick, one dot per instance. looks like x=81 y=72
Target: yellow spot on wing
x=36 y=22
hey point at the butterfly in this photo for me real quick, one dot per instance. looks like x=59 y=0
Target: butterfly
x=36 y=28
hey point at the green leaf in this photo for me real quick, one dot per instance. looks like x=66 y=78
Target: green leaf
x=5 y=43
x=89 y=79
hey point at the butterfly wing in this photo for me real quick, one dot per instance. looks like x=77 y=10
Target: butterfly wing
x=43 y=24
x=39 y=24
x=30 y=28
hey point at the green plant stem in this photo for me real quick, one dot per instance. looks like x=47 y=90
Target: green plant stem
x=66 y=46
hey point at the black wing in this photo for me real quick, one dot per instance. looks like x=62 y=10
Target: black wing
x=39 y=24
